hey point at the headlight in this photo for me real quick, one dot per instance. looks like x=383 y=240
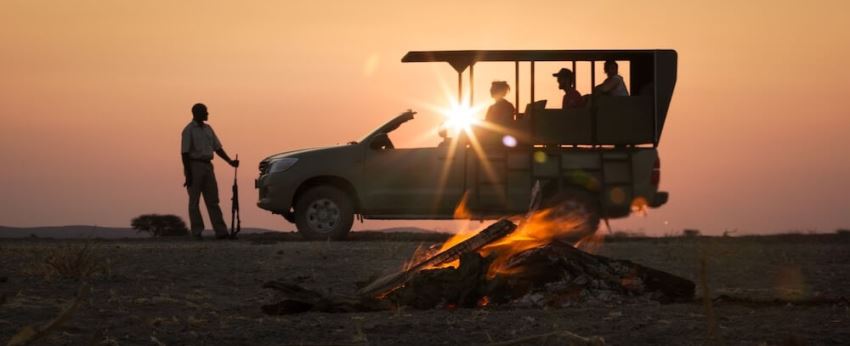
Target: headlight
x=283 y=164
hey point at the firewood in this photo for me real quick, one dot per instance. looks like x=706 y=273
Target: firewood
x=389 y=282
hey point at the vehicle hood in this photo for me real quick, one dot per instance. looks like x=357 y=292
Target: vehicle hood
x=309 y=151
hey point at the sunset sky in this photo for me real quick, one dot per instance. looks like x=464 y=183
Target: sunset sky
x=94 y=94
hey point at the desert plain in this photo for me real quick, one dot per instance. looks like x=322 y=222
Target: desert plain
x=761 y=290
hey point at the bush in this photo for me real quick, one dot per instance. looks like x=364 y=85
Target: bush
x=691 y=233
x=160 y=225
x=72 y=261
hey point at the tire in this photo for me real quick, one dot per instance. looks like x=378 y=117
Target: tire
x=324 y=212
x=575 y=207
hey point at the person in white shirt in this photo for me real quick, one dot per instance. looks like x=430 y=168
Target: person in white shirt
x=198 y=144
x=614 y=84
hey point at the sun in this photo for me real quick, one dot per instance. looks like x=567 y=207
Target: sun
x=460 y=117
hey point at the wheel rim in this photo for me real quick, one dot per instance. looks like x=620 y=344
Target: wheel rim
x=323 y=215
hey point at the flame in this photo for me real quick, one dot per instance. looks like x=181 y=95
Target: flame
x=640 y=206
x=536 y=230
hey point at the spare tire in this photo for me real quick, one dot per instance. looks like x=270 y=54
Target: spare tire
x=324 y=212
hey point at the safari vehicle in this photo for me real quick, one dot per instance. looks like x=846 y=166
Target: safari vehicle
x=600 y=159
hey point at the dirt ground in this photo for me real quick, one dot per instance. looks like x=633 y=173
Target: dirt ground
x=777 y=290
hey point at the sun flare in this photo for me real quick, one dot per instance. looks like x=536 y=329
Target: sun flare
x=460 y=117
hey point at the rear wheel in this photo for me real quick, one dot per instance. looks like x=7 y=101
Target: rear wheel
x=574 y=212
x=324 y=212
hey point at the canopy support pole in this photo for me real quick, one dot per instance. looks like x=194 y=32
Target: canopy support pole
x=532 y=87
x=575 y=74
x=592 y=108
x=516 y=86
x=471 y=84
x=459 y=87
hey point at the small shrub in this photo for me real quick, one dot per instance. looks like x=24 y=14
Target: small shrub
x=77 y=262
x=843 y=232
x=160 y=225
x=691 y=233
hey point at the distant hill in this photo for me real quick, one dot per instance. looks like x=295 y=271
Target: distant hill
x=73 y=231
x=84 y=231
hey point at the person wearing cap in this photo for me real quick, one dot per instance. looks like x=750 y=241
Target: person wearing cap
x=614 y=84
x=198 y=144
x=572 y=98
x=500 y=115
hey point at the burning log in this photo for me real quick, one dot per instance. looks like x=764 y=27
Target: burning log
x=488 y=235
x=558 y=274
x=553 y=275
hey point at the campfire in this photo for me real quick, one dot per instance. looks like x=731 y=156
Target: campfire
x=545 y=258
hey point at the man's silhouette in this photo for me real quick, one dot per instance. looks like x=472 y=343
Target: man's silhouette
x=572 y=98
x=614 y=84
x=500 y=115
x=197 y=148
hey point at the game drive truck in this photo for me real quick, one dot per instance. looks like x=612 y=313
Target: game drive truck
x=600 y=159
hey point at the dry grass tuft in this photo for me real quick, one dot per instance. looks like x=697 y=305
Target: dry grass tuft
x=77 y=262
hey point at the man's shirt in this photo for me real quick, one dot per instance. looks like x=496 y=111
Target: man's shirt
x=199 y=141
x=619 y=86
x=572 y=99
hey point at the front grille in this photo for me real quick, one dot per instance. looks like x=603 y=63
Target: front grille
x=264 y=167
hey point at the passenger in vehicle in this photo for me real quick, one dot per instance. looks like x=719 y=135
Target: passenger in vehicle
x=572 y=98
x=500 y=115
x=614 y=84
x=501 y=112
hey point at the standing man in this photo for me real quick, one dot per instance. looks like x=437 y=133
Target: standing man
x=197 y=148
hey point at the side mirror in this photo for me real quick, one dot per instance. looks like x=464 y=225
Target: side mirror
x=381 y=141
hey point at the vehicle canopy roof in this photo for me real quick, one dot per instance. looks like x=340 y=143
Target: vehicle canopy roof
x=653 y=69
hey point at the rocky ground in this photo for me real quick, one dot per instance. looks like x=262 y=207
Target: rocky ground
x=764 y=290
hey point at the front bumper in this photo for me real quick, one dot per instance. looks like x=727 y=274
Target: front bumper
x=276 y=192
x=660 y=199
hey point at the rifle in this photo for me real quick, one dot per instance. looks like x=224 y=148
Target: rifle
x=235 y=220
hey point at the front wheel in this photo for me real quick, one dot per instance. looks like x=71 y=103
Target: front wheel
x=324 y=212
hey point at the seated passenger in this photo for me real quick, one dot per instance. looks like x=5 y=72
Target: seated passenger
x=501 y=112
x=614 y=84
x=572 y=98
x=500 y=115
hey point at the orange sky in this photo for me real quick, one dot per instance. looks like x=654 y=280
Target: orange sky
x=94 y=94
